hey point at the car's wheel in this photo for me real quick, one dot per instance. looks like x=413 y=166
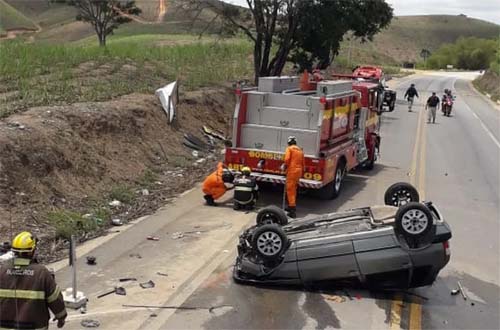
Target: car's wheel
x=414 y=220
x=332 y=189
x=269 y=241
x=401 y=193
x=271 y=214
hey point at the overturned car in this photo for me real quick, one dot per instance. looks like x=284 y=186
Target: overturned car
x=402 y=244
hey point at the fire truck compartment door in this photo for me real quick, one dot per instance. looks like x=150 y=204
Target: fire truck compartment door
x=260 y=137
x=306 y=139
x=285 y=117
x=255 y=103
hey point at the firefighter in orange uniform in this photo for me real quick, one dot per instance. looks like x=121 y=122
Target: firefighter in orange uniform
x=214 y=187
x=294 y=167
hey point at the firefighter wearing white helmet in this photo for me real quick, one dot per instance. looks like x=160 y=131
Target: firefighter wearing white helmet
x=246 y=190
x=294 y=169
x=28 y=290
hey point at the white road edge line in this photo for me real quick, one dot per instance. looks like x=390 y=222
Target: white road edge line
x=480 y=121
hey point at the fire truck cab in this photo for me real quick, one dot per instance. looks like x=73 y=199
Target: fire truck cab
x=335 y=123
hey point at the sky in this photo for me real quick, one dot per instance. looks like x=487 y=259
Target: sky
x=488 y=10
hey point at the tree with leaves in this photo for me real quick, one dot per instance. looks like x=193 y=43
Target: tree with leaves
x=105 y=15
x=425 y=54
x=305 y=32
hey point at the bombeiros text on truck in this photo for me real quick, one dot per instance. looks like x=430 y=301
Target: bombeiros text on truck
x=336 y=123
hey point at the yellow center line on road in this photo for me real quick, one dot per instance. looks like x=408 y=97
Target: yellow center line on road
x=418 y=158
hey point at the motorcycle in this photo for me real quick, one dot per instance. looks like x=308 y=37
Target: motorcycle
x=447 y=105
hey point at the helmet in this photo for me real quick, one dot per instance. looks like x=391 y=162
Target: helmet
x=24 y=242
x=292 y=140
x=227 y=176
x=412 y=85
x=246 y=170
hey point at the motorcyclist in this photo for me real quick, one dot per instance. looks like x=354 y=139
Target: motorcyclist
x=411 y=92
x=246 y=190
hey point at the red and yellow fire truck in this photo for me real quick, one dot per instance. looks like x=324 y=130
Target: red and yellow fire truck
x=335 y=122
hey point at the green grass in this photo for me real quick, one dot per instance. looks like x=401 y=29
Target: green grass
x=122 y=193
x=10 y=18
x=67 y=223
x=46 y=74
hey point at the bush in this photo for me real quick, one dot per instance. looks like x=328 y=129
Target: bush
x=67 y=223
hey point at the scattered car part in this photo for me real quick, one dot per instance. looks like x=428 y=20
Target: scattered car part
x=462 y=290
x=272 y=214
x=193 y=146
x=106 y=293
x=147 y=285
x=169 y=97
x=136 y=255
x=126 y=279
x=213 y=133
x=117 y=222
x=177 y=235
x=153 y=238
x=196 y=141
x=162 y=274
x=401 y=193
x=87 y=323
x=454 y=292
x=120 y=291
x=91 y=260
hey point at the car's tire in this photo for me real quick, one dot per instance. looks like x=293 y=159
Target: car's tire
x=269 y=241
x=414 y=221
x=271 y=214
x=401 y=193
x=332 y=189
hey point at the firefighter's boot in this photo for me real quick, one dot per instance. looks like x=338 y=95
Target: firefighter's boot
x=210 y=200
x=292 y=212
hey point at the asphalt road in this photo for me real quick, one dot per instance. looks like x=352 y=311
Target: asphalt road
x=454 y=163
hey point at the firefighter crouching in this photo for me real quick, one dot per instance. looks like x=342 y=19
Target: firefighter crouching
x=28 y=290
x=214 y=186
x=294 y=167
x=246 y=190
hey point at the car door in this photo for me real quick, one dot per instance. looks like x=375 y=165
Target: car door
x=326 y=258
x=381 y=259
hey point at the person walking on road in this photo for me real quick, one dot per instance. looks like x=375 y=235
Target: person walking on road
x=28 y=290
x=410 y=94
x=294 y=167
x=432 y=105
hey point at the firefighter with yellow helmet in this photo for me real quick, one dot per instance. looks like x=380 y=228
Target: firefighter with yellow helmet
x=245 y=190
x=28 y=290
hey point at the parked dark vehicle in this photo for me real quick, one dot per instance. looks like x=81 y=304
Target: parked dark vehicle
x=403 y=244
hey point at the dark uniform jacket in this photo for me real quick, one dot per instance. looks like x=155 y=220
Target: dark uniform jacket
x=433 y=101
x=27 y=292
x=245 y=189
x=411 y=92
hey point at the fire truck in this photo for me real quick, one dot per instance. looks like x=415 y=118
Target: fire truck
x=335 y=123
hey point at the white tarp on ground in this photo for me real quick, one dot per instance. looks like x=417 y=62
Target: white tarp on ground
x=169 y=97
x=6 y=257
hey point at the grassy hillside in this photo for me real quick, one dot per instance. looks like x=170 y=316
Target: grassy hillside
x=11 y=18
x=408 y=35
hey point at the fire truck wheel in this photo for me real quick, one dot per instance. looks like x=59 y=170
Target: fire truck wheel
x=272 y=214
x=269 y=242
x=414 y=221
x=332 y=190
x=401 y=193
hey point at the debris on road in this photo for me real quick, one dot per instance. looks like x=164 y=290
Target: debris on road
x=91 y=260
x=334 y=298
x=177 y=235
x=126 y=279
x=117 y=222
x=147 y=285
x=153 y=238
x=136 y=255
x=90 y=323
x=162 y=274
x=462 y=290
x=454 y=292
x=106 y=293
x=121 y=291
x=115 y=203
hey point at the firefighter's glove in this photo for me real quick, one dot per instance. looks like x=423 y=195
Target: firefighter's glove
x=61 y=321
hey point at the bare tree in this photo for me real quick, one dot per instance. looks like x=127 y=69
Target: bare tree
x=105 y=15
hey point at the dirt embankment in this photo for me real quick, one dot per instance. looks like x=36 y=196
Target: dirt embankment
x=75 y=157
x=489 y=83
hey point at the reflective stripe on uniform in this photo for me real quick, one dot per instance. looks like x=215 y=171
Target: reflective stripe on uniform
x=54 y=295
x=21 y=262
x=240 y=188
x=23 y=294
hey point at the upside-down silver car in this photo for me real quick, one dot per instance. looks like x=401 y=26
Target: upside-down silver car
x=402 y=244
